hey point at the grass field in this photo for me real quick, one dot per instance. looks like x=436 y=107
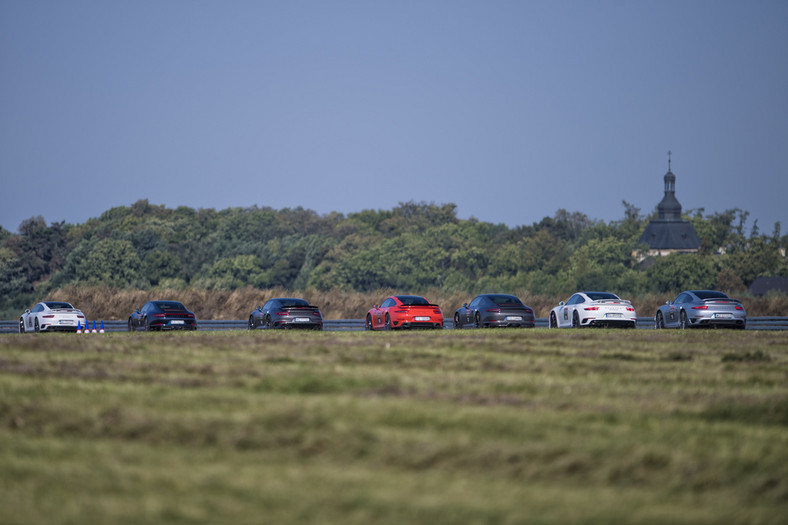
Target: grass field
x=487 y=427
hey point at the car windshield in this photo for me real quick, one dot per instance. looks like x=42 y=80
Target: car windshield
x=710 y=294
x=412 y=300
x=505 y=300
x=293 y=302
x=597 y=296
x=170 y=305
x=56 y=305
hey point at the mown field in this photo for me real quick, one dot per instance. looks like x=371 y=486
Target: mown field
x=487 y=427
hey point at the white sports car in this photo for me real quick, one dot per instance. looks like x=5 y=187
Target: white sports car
x=593 y=309
x=51 y=316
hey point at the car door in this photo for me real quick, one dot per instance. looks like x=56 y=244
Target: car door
x=379 y=316
x=674 y=310
x=470 y=312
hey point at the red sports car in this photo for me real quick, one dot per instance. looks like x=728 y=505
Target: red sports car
x=404 y=311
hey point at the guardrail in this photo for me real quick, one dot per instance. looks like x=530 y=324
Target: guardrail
x=354 y=325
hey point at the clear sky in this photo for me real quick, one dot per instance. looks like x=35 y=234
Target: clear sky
x=510 y=109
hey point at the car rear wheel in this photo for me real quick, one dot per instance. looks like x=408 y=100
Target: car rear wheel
x=131 y=326
x=683 y=320
x=457 y=322
x=553 y=321
x=36 y=326
x=575 y=320
x=478 y=320
x=388 y=322
x=660 y=321
x=268 y=321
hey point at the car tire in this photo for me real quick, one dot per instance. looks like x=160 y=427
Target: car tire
x=660 y=322
x=131 y=326
x=268 y=323
x=457 y=322
x=478 y=320
x=36 y=326
x=387 y=325
x=575 y=320
x=148 y=327
x=553 y=320
x=368 y=323
x=21 y=326
x=683 y=320
x=251 y=323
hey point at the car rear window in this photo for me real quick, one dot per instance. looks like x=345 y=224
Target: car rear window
x=55 y=305
x=293 y=302
x=170 y=305
x=596 y=296
x=412 y=300
x=710 y=294
x=506 y=300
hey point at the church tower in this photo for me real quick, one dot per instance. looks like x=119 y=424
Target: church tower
x=669 y=233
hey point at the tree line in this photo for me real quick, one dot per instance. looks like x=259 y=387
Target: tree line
x=412 y=247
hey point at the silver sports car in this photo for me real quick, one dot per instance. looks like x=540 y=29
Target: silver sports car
x=701 y=308
x=51 y=316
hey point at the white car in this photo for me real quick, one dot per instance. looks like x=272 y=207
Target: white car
x=51 y=316
x=593 y=309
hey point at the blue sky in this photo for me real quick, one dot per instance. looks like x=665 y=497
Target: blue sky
x=509 y=109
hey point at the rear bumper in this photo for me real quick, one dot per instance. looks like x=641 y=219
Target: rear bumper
x=417 y=324
x=612 y=323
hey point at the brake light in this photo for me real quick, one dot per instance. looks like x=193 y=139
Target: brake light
x=494 y=310
x=48 y=316
x=529 y=311
x=630 y=309
x=158 y=315
x=700 y=307
x=593 y=308
x=281 y=313
x=190 y=316
x=400 y=311
x=740 y=308
x=316 y=314
x=80 y=316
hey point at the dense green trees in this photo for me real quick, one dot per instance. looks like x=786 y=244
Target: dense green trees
x=412 y=247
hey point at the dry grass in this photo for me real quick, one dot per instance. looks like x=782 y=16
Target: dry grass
x=104 y=302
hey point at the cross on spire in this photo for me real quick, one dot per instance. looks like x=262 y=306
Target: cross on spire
x=669 y=153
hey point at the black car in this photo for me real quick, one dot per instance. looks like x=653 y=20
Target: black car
x=494 y=309
x=162 y=315
x=286 y=312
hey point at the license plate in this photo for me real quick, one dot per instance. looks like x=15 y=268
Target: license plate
x=723 y=316
x=514 y=318
x=176 y=322
x=66 y=321
x=302 y=319
x=613 y=315
x=422 y=318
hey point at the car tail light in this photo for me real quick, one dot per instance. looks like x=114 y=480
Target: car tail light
x=190 y=316
x=437 y=311
x=630 y=309
x=400 y=311
x=80 y=316
x=50 y=316
x=529 y=311
x=700 y=307
x=159 y=315
x=593 y=308
x=317 y=314
x=281 y=313
x=493 y=310
x=740 y=308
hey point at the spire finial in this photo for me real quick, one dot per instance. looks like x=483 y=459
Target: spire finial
x=669 y=153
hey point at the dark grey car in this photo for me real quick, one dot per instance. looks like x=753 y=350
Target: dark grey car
x=701 y=308
x=494 y=309
x=286 y=312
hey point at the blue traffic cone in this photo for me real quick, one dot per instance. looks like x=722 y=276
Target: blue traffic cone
x=94 y=328
x=101 y=330
x=79 y=327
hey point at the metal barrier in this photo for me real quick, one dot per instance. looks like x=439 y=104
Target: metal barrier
x=355 y=325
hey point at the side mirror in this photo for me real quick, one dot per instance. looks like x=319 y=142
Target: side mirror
x=561 y=303
x=667 y=302
x=465 y=305
x=137 y=311
x=375 y=306
x=27 y=310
